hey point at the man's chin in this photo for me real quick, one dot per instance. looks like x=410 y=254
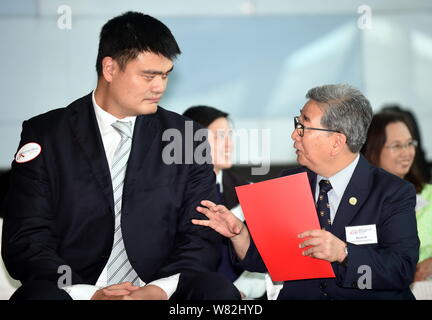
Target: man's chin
x=149 y=108
x=224 y=165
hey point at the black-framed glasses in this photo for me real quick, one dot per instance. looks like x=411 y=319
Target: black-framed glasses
x=300 y=128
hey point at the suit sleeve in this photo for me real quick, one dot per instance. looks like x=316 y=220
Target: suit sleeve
x=196 y=248
x=391 y=263
x=29 y=238
x=252 y=261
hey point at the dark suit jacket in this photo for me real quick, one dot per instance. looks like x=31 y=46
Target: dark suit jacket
x=4 y=186
x=59 y=210
x=230 y=180
x=389 y=203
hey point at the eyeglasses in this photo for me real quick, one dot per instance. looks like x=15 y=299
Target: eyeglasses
x=300 y=128
x=398 y=147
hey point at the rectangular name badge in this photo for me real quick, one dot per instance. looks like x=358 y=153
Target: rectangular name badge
x=361 y=234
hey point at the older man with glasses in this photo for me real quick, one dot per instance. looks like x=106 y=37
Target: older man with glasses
x=352 y=197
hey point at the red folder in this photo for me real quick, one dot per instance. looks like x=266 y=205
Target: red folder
x=276 y=212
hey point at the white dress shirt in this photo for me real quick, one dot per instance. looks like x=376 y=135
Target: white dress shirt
x=339 y=183
x=111 y=138
x=237 y=210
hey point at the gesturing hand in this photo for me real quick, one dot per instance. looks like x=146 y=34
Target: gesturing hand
x=220 y=219
x=227 y=224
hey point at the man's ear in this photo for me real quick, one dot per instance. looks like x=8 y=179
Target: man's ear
x=338 y=143
x=108 y=68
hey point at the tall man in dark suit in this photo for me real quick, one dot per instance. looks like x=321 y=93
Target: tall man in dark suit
x=352 y=198
x=94 y=210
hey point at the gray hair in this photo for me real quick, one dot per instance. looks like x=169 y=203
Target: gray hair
x=346 y=110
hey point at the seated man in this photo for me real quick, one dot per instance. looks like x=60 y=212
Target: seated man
x=348 y=191
x=94 y=210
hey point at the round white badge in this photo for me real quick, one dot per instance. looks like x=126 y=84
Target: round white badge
x=28 y=152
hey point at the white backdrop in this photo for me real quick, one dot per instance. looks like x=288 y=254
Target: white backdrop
x=253 y=59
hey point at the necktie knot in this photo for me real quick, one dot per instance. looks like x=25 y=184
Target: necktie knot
x=124 y=128
x=325 y=186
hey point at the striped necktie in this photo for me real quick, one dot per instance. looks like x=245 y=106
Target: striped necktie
x=119 y=268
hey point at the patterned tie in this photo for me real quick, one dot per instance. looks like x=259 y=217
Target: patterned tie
x=119 y=268
x=323 y=206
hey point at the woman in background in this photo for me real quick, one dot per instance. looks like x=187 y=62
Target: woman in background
x=391 y=146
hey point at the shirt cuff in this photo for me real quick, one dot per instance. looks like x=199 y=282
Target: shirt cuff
x=273 y=288
x=251 y=284
x=168 y=284
x=81 y=291
x=238 y=212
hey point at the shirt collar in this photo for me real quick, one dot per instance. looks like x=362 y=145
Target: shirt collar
x=105 y=119
x=341 y=179
x=219 y=180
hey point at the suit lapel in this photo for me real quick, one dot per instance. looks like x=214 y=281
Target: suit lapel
x=312 y=180
x=353 y=198
x=146 y=131
x=85 y=128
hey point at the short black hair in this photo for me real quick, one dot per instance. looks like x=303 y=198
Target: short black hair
x=204 y=115
x=124 y=37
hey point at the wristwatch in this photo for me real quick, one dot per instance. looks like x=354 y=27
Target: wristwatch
x=345 y=261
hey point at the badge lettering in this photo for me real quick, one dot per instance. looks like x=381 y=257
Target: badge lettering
x=361 y=234
x=28 y=152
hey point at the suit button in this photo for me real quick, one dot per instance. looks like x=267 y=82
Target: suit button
x=354 y=284
x=325 y=294
x=323 y=285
